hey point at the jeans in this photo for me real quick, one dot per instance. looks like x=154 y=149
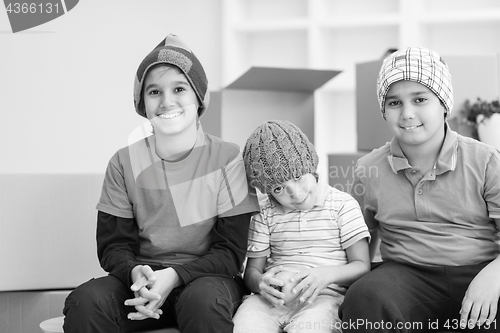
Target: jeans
x=258 y=315
x=409 y=298
x=205 y=305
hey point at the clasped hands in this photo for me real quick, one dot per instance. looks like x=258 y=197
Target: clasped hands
x=151 y=289
x=282 y=287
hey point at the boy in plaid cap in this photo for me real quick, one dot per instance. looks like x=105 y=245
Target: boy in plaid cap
x=435 y=204
x=173 y=217
x=308 y=243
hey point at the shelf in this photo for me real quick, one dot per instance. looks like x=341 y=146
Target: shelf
x=271 y=10
x=338 y=34
x=340 y=9
x=386 y=20
x=271 y=25
x=471 y=16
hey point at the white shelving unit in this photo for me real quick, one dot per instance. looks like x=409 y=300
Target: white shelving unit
x=337 y=34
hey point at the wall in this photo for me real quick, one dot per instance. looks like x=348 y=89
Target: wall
x=66 y=86
x=338 y=34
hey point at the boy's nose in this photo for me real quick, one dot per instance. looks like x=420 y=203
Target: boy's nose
x=167 y=101
x=407 y=112
x=293 y=189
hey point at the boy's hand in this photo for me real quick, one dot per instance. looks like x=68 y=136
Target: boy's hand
x=149 y=298
x=143 y=277
x=479 y=306
x=270 y=287
x=311 y=282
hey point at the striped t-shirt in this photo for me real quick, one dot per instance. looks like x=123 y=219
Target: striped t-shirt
x=299 y=240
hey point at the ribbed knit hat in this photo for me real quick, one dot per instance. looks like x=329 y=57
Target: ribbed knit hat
x=276 y=152
x=419 y=65
x=173 y=51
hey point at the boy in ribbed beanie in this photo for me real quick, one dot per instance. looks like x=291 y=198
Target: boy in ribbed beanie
x=276 y=152
x=308 y=242
x=173 y=216
x=441 y=258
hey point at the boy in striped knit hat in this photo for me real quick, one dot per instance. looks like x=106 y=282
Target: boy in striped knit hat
x=308 y=243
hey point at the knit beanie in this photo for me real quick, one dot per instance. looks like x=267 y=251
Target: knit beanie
x=420 y=65
x=276 y=152
x=173 y=51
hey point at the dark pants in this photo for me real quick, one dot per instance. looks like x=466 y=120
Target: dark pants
x=205 y=305
x=407 y=298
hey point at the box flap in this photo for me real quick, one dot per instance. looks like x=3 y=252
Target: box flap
x=283 y=79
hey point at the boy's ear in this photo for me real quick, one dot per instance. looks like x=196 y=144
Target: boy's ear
x=446 y=113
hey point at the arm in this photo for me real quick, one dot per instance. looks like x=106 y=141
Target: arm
x=260 y=283
x=313 y=281
x=373 y=227
x=480 y=303
x=353 y=238
x=369 y=216
x=229 y=236
x=117 y=245
x=227 y=250
x=481 y=299
x=225 y=257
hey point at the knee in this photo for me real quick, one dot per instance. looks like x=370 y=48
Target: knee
x=362 y=296
x=207 y=296
x=201 y=293
x=364 y=291
x=88 y=298
x=80 y=300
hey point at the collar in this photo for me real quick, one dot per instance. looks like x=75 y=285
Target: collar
x=151 y=143
x=447 y=159
x=323 y=190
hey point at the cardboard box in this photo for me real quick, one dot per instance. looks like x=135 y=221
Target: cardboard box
x=265 y=93
x=371 y=128
x=472 y=77
x=341 y=170
x=48 y=224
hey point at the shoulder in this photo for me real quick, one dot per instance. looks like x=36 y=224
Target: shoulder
x=465 y=142
x=376 y=156
x=220 y=149
x=339 y=199
x=265 y=203
x=120 y=157
x=141 y=147
x=373 y=162
x=336 y=194
x=472 y=151
x=268 y=208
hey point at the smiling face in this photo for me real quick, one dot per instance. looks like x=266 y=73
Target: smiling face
x=299 y=193
x=170 y=101
x=415 y=115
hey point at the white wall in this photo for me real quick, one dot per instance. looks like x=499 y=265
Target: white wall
x=66 y=87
